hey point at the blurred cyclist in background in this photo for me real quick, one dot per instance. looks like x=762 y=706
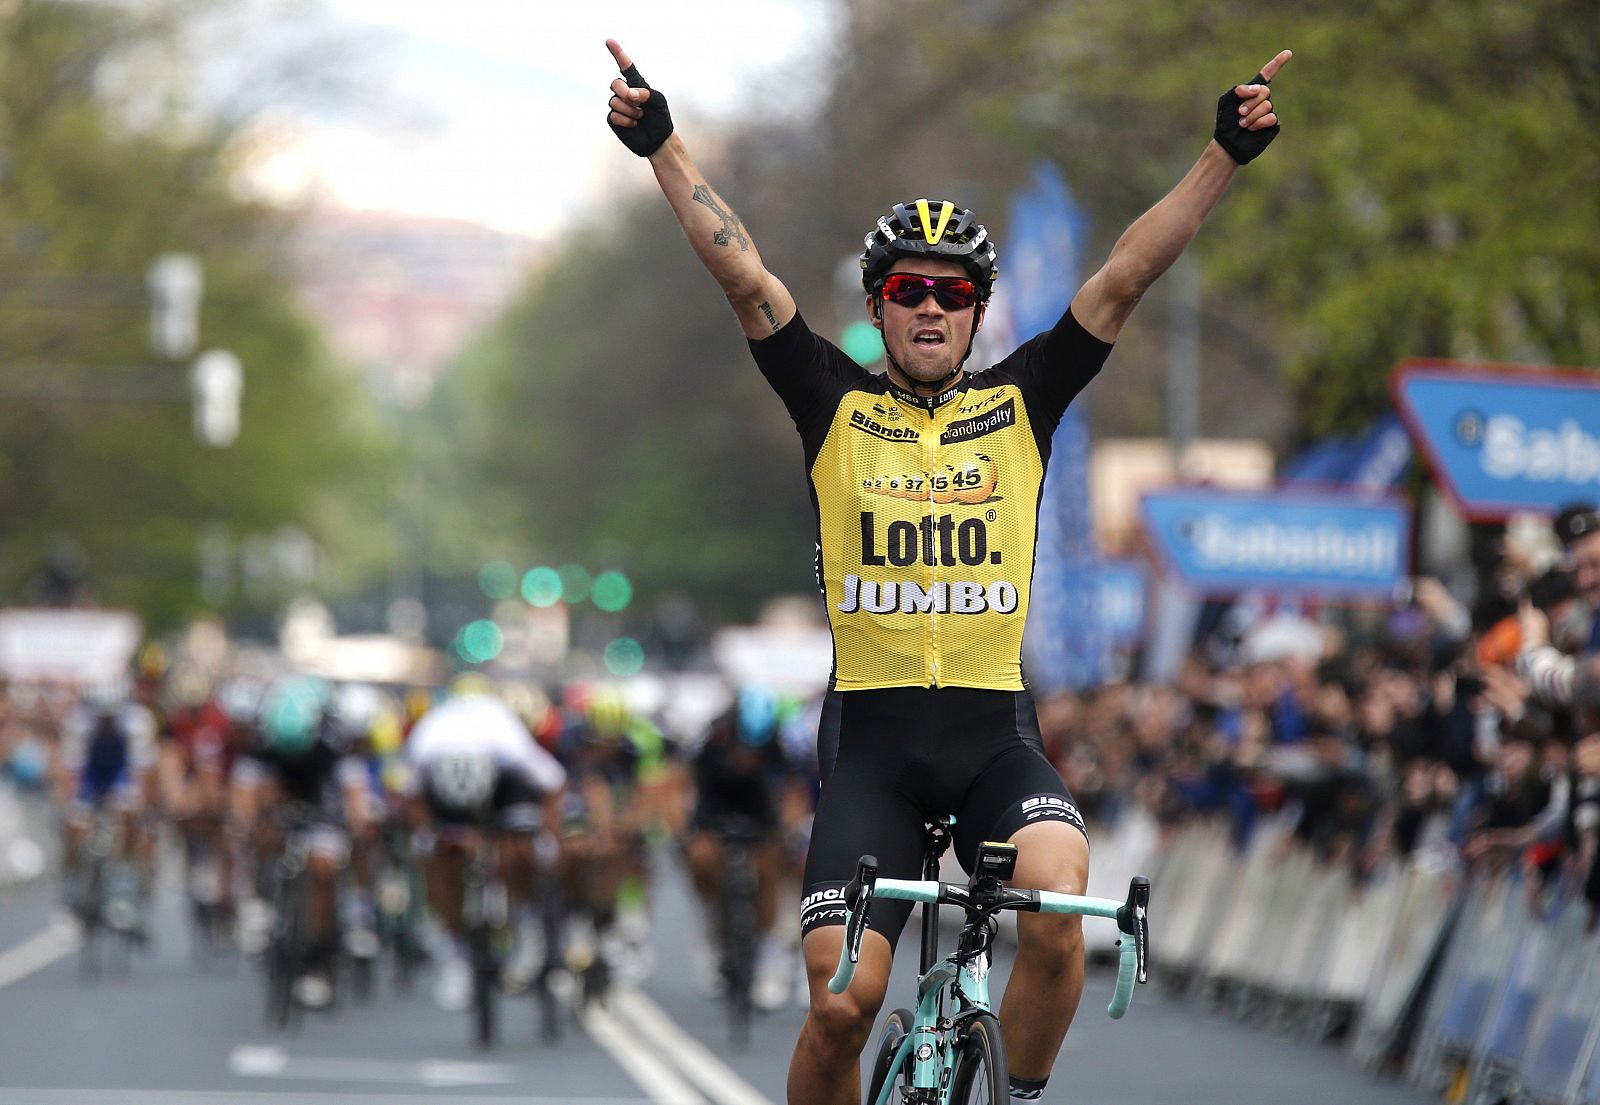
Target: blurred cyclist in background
x=621 y=794
x=299 y=771
x=106 y=759
x=203 y=729
x=476 y=772
x=744 y=788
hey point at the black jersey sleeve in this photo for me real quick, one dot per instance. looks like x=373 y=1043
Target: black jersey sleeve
x=809 y=373
x=1051 y=369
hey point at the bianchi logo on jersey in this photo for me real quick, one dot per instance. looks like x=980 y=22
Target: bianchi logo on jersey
x=867 y=424
x=968 y=428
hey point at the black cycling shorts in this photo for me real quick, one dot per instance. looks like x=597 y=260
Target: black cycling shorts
x=893 y=759
x=513 y=806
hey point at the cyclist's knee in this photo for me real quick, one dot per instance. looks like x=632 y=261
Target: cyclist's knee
x=1050 y=945
x=1051 y=855
x=703 y=853
x=844 y=1021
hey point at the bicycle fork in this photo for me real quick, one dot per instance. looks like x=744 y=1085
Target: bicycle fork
x=928 y=1046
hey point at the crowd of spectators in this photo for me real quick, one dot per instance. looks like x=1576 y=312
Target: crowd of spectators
x=1472 y=726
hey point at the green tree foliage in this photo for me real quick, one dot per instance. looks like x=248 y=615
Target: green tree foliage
x=616 y=418
x=95 y=440
x=1436 y=190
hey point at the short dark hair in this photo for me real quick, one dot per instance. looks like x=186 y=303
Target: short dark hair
x=1576 y=520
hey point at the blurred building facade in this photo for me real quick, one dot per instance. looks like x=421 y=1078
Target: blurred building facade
x=399 y=294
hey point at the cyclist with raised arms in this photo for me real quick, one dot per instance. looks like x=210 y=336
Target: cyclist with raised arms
x=925 y=482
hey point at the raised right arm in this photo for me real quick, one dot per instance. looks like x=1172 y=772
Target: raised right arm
x=759 y=299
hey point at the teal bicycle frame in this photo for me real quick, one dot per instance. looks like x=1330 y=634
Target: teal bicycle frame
x=961 y=980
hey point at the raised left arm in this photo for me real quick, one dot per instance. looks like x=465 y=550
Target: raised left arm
x=1154 y=241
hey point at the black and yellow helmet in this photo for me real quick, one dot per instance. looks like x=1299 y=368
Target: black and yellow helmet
x=929 y=228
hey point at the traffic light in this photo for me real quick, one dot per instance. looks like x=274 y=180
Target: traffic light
x=216 y=382
x=863 y=343
x=542 y=587
x=175 y=282
x=612 y=592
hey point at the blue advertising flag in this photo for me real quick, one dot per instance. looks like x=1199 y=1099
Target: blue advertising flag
x=1289 y=542
x=1501 y=443
x=1375 y=461
x=1067 y=645
x=1123 y=584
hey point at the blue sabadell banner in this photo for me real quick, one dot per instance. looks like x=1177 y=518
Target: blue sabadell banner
x=1499 y=442
x=1290 y=542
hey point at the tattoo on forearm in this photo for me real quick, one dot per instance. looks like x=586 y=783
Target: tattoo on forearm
x=732 y=229
x=766 y=309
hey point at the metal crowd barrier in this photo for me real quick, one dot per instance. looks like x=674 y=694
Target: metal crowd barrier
x=1490 y=1002
x=1117 y=853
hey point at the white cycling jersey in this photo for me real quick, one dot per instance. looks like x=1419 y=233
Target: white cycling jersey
x=482 y=725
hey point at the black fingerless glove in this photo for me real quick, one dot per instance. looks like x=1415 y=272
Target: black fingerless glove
x=1244 y=146
x=646 y=135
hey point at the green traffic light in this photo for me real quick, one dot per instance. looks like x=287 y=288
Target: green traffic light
x=575 y=582
x=542 y=587
x=862 y=343
x=612 y=592
x=481 y=641
x=624 y=656
x=497 y=579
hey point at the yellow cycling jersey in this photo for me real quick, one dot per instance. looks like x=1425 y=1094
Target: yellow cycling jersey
x=927 y=508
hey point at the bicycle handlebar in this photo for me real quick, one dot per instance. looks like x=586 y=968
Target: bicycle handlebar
x=1131 y=917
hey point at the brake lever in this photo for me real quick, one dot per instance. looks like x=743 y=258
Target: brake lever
x=858 y=899
x=1133 y=919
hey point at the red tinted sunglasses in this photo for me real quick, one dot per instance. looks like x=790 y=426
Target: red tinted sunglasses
x=954 y=293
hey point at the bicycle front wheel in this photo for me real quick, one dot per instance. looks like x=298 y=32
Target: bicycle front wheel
x=895 y=1029
x=980 y=1068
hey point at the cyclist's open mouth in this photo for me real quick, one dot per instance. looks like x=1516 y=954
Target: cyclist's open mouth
x=928 y=339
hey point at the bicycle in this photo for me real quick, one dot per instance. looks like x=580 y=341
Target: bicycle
x=110 y=901
x=486 y=912
x=399 y=905
x=739 y=928
x=205 y=879
x=287 y=886
x=950 y=1051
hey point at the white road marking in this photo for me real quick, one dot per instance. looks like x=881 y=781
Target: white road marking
x=691 y=1056
x=16 y=1095
x=37 y=952
x=651 y=1072
x=270 y=1061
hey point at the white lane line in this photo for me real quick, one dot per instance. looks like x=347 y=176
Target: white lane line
x=652 y=1073
x=37 y=952
x=17 y=1095
x=271 y=1061
x=695 y=1059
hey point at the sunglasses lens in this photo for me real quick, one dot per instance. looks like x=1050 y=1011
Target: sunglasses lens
x=908 y=289
x=954 y=293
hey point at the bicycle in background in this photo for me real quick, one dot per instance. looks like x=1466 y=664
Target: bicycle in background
x=950 y=1052
x=110 y=901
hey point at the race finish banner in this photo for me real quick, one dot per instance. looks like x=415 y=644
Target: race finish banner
x=1500 y=442
x=82 y=647
x=1290 y=542
x=1066 y=644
